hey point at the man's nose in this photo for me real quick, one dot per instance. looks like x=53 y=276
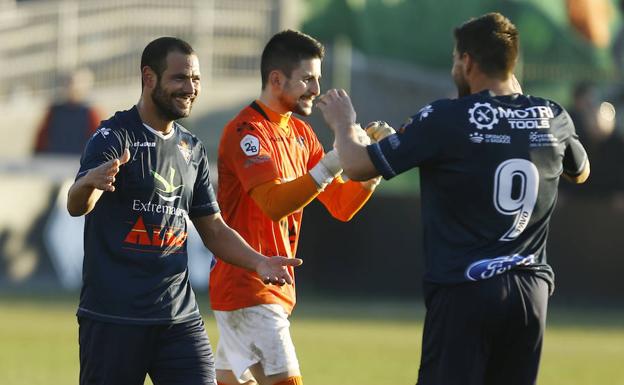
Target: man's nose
x=315 y=87
x=190 y=86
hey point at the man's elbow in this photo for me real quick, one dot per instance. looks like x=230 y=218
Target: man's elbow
x=72 y=207
x=582 y=177
x=344 y=216
x=75 y=211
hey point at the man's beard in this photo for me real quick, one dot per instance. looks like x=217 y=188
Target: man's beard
x=165 y=104
x=463 y=89
x=295 y=107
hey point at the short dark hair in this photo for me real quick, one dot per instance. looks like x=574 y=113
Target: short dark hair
x=492 y=41
x=286 y=50
x=155 y=53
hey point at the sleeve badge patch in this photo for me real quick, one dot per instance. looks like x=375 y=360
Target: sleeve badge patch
x=250 y=145
x=425 y=112
x=102 y=131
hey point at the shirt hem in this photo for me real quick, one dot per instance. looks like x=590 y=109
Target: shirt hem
x=219 y=306
x=85 y=313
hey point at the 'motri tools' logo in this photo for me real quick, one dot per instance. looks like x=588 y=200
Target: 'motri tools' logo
x=483 y=115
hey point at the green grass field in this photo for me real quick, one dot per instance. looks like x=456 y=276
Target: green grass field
x=344 y=343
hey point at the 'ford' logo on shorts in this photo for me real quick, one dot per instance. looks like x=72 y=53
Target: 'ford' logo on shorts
x=487 y=268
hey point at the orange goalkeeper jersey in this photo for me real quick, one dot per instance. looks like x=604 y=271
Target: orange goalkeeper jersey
x=256 y=147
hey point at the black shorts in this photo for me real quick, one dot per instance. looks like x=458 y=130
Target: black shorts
x=115 y=354
x=485 y=333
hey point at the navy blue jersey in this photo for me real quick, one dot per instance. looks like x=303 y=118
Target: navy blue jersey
x=489 y=170
x=135 y=264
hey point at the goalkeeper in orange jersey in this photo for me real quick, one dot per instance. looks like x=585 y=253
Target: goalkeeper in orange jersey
x=271 y=165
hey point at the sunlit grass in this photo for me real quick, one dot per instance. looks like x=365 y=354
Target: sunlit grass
x=338 y=343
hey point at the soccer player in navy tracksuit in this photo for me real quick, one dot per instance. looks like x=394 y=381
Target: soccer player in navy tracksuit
x=490 y=163
x=142 y=177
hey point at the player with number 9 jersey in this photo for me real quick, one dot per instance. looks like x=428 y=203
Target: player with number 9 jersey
x=489 y=169
x=490 y=163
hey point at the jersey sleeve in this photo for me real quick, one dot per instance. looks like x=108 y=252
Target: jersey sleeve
x=344 y=199
x=575 y=156
x=418 y=142
x=204 y=198
x=104 y=145
x=250 y=154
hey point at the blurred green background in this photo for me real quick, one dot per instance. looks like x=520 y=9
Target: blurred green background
x=553 y=54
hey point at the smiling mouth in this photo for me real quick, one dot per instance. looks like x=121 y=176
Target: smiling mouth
x=187 y=101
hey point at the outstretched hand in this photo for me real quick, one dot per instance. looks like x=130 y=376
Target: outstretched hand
x=273 y=270
x=337 y=110
x=103 y=176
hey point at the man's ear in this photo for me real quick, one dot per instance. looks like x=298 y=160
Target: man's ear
x=469 y=63
x=277 y=79
x=149 y=77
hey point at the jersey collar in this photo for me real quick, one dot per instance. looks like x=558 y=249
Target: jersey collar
x=281 y=120
x=158 y=133
x=135 y=115
x=491 y=94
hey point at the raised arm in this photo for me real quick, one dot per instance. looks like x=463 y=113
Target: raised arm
x=340 y=116
x=575 y=160
x=343 y=200
x=87 y=190
x=278 y=200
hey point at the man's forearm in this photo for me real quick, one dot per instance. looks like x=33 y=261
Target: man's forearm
x=85 y=192
x=353 y=156
x=226 y=243
x=82 y=197
x=344 y=200
x=233 y=249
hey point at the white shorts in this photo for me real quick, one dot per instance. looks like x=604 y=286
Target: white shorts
x=255 y=334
